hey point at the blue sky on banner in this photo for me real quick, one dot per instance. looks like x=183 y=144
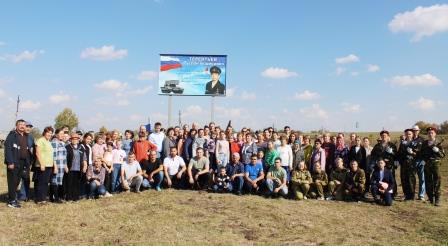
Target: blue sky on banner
x=307 y=64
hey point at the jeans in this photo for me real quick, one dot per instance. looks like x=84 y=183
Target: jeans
x=237 y=184
x=158 y=178
x=24 y=192
x=116 y=181
x=288 y=173
x=420 y=166
x=271 y=185
x=96 y=189
x=217 y=188
x=135 y=183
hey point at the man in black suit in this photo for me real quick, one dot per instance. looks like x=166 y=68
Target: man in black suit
x=382 y=184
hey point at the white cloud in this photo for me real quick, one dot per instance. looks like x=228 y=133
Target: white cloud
x=230 y=92
x=229 y=113
x=2 y=93
x=306 y=95
x=422 y=21
x=140 y=92
x=372 y=68
x=147 y=75
x=123 y=102
x=24 y=56
x=29 y=105
x=347 y=59
x=113 y=85
x=354 y=74
x=351 y=108
x=340 y=70
x=248 y=95
x=105 y=53
x=423 y=104
x=193 y=110
x=417 y=80
x=278 y=73
x=61 y=97
x=315 y=111
x=136 y=117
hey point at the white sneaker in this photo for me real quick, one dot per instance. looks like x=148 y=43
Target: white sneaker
x=108 y=195
x=320 y=198
x=329 y=198
x=305 y=198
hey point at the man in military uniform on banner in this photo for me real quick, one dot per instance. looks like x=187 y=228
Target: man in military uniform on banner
x=215 y=86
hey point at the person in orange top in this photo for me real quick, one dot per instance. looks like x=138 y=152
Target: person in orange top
x=235 y=147
x=141 y=148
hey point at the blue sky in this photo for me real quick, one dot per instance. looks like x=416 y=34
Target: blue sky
x=306 y=64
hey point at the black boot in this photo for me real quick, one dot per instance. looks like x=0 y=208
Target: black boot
x=53 y=192
x=437 y=202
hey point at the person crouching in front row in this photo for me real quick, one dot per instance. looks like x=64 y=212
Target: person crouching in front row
x=95 y=177
x=382 y=184
x=276 y=180
x=131 y=174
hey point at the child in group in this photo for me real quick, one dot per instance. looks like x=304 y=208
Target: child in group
x=222 y=181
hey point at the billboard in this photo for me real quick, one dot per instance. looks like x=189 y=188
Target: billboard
x=192 y=75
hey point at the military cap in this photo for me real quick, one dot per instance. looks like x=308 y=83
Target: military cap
x=384 y=131
x=215 y=69
x=431 y=129
x=409 y=130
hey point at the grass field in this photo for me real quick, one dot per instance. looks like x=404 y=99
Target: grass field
x=189 y=217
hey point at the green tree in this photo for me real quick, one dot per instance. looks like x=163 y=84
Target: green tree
x=444 y=127
x=66 y=118
x=103 y=130
x=423 y=125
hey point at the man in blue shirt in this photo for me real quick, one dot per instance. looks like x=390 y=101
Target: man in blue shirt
x=253 y=175
x=236 y=173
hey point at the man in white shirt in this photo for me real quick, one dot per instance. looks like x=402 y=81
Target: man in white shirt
x=131 y=174
x=157 y=137
x=174 y=170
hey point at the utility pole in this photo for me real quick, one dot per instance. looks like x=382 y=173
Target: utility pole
x=17 y=109
x=180 y=120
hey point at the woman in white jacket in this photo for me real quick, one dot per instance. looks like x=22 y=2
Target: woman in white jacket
x=285 y=153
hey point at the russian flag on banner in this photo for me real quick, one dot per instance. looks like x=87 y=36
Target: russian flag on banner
x=167 y=63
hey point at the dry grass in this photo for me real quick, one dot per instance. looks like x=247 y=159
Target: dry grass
x=188 y=217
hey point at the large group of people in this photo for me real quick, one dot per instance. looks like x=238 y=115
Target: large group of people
x=67 y=165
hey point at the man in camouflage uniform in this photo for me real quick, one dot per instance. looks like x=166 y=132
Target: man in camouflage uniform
x=320 y=180
x=386 y=151
x=433 y=153
x=406 y=155
x=337 y=180
x=355 y=182
x=300 y=181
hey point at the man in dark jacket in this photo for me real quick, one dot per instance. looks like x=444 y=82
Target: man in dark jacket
x=386 y=151
x=382 y=184
x=17 y=158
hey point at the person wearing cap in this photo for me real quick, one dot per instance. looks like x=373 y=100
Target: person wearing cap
x=386 y=151
x=76 y=164
x=17 y=155
x=433 y=153
x=355 y=182
x=419 y=164
x=382 y=184
x=406 y=156
x=24 y=193
x=44 y=165
x=215 y=86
